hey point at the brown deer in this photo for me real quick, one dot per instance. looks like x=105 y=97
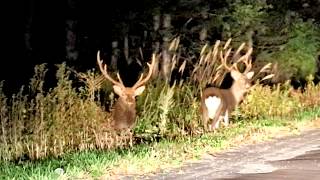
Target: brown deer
x=124 y=110
x=216 y=103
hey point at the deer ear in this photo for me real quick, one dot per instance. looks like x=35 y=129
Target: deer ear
x=235 y=74
x=139 y=90
x=118 y=90
x=250 y=74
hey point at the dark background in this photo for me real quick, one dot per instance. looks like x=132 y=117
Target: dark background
x=98 y=24
x=48 y=35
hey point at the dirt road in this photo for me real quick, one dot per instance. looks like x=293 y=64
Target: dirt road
x=290 y=158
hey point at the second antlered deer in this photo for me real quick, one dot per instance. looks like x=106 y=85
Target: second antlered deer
x=216 y=103
x=124 y=110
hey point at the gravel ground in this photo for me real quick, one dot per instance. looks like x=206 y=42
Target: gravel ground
x=292 y=157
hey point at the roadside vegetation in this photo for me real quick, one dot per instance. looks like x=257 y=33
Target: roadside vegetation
x=64 y=132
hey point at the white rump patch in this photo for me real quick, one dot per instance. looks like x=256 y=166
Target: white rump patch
x=212 y=103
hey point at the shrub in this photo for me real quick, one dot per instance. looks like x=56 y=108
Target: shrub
x=297 y=57
x=279 y=100
x=36 y=124
x=266 y=101
x=310 y=96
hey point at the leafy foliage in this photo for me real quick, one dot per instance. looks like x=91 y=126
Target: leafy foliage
x=297 y=57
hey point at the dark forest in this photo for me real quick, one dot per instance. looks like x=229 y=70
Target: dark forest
x=37 y=32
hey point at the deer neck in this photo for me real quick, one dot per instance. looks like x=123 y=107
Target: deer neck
x=121 y=103
x=237 y=93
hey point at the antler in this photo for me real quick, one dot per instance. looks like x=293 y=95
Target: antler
x=142 y=80
x=245 y=58
x=103 y=69
x=224 y=58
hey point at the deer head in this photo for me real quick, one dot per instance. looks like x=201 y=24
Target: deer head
x=241 y=80
x=124 y=110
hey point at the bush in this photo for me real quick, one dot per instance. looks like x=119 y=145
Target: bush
x=279 y=100
x=297 y=57
x=266 y=101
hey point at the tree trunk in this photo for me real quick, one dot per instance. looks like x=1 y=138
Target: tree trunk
x=71 y=35
x=71 y=39
x=166 y=56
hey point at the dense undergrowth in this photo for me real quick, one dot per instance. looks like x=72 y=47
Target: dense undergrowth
x=36 y=123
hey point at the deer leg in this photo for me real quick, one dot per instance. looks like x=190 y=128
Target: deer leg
x=217 y=118
x=216 y=126
x=205 y=118
x=226 y=118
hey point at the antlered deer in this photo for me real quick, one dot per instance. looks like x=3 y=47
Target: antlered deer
x=124 y=110
x=216 y=103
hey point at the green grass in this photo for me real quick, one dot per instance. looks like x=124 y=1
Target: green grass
x=163 y=155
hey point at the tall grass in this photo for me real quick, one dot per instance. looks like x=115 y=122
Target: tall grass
x=36 y=123
x=280 y=100
x=168 y=112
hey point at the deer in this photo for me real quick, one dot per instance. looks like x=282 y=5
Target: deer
x=216 y=103
x=124 y=109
